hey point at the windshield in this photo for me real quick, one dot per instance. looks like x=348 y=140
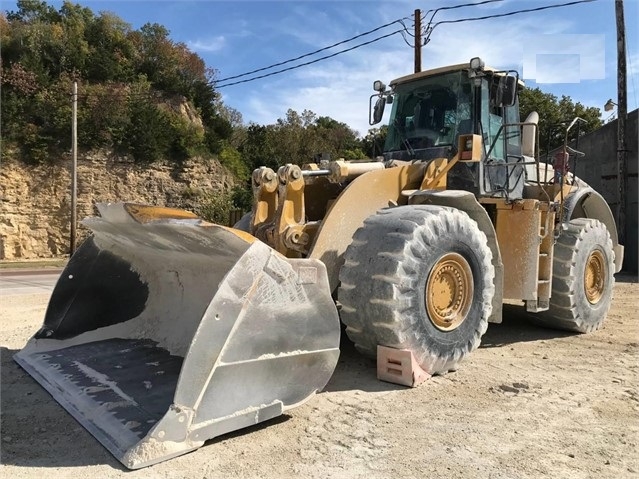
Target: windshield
x=429 y=113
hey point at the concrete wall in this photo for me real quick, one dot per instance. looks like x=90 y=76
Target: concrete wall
x=599 y=169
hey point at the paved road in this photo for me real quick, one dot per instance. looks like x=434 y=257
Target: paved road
x=28 y=282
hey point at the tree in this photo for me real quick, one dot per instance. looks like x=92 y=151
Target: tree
x=127 y=79
x=555 y=115
x=337 y=138
x=234 y=119
x=111 y=54
x=300 y=137
x=373 y=142
x=34 y=10
x=141 y=138
x=259 y=148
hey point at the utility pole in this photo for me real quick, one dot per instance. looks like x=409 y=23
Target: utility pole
x=418 y=41
x=622 y=113
x=74 y=167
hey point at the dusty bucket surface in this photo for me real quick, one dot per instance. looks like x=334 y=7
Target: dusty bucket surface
x=164 y=331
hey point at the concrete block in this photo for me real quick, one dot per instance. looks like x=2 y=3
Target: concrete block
x=399 y=366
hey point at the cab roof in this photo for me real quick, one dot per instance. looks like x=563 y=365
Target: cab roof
x=440 y=70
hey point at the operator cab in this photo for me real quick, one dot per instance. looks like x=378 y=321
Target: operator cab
x=432 y=109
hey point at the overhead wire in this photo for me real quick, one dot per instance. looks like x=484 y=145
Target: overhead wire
x=405 y=39
x=310 y=62
x=452 y=7
x=507 y=14
x=427 y=28
x=406 y=28
x=462 y=5
x=403 y=31
x=407 y=31
x=381 y=27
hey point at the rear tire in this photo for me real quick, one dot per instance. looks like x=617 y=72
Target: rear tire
x=418 y=278
x=583 y=278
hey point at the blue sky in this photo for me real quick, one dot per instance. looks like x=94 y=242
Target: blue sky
x=570 y=50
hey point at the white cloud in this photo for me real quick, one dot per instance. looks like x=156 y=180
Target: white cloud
x=214 y=44
x=341 y=87
x=332 y=88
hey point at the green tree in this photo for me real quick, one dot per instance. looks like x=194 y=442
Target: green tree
x=142 y=138
x=129 y=83
x=232 y=159
x=34 y=10
x=111 y=55
x=259 y=148
x=103 y=115
x=74 y=45
x=337 y=139
x=298 y=138
x=215 y=207
x=234 y=119
x=373 y=142
x=555 y=115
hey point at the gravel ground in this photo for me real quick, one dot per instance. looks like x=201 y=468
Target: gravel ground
x=529 y=403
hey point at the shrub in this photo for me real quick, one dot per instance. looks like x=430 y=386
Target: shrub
x=215 y=208
x=232 y=159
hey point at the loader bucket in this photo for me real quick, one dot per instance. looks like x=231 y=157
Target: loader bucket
x=164 y=331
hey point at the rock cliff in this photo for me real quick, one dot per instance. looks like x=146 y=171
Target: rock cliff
x=36 y=200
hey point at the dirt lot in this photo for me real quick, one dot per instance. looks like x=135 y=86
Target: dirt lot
x=529 y=403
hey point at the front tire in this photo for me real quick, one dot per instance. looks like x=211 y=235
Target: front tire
x=418 y=278
x=583 y=278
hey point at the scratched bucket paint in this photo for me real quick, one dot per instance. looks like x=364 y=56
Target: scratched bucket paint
x=164 y=332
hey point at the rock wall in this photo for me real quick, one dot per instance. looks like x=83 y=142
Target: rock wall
x=36 y=200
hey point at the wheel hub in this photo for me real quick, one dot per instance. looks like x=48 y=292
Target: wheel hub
x=595 y=277
x=449 y=292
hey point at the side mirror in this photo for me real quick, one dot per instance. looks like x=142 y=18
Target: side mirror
x=507 y=91
x=376 y=112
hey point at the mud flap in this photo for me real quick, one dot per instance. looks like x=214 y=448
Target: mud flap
x=165 y=331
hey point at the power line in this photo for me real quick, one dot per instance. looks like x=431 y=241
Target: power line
x=453 y=7
x=428 y=29
x=435 y=10
x=400 y=20
x=312 y=61
x=516 y=12
x=403 y=32
x=404 y=29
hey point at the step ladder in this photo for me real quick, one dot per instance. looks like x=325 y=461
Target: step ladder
x=544 y=275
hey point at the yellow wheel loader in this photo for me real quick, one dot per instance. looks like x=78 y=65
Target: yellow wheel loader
x=165 y=330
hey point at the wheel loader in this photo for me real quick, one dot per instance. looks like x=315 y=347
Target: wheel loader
x=165 y=330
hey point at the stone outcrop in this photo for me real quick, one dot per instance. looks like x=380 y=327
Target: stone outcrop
x=36 y=200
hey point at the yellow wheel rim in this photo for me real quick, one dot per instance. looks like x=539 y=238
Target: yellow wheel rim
x=449 y=292
x=595 y=277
